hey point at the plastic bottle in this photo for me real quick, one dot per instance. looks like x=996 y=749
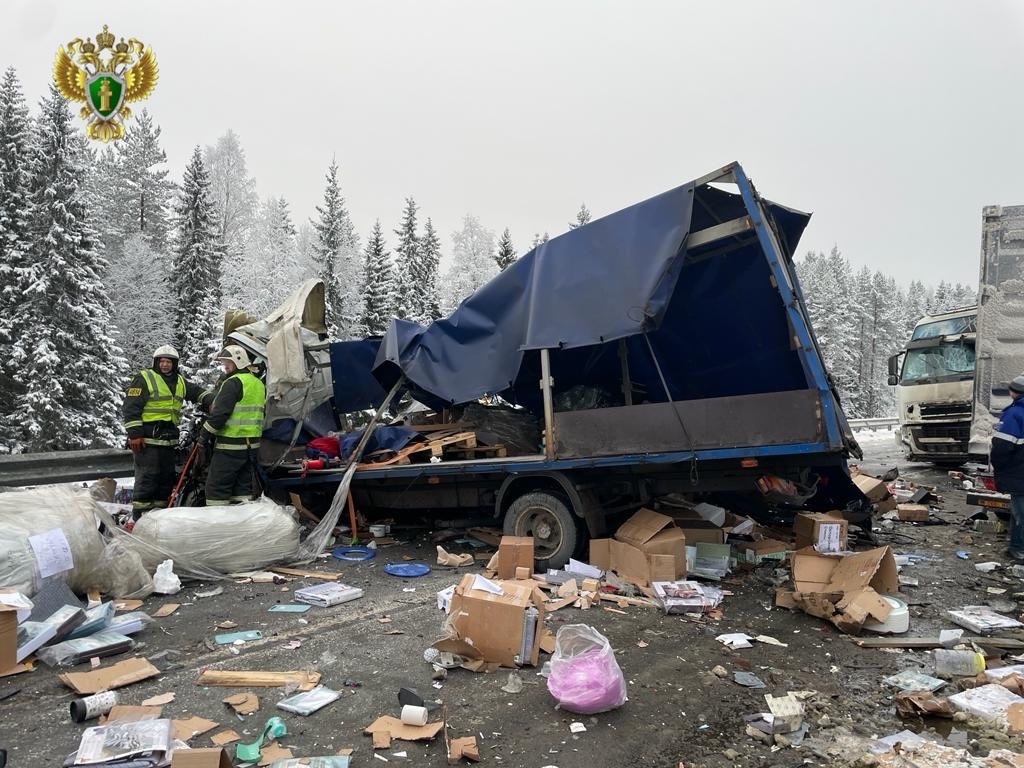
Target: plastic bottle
x=950 y=664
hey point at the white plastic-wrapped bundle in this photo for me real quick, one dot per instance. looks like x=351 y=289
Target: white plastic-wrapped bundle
x=227 y=539
x=36 y=511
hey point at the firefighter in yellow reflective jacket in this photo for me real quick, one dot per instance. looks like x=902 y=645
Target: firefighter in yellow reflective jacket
x=234 y=425
x=151 y=411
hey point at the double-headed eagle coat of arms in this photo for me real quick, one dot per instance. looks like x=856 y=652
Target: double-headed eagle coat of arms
x=110 y=76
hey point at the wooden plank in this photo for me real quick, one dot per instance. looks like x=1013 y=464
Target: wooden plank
x=305 y=681
x=719 y=232
x=1006 y=643
x=458 y=426
x=303 y=574
x=620 y=600
x=497 y=451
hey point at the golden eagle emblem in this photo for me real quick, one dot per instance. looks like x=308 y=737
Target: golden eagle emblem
x=106 y=77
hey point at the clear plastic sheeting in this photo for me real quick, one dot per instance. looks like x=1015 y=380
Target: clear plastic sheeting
x=36 y=511
x=119 y=572
x=223 y=539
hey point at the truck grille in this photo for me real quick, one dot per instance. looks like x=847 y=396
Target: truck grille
x=945 y=410
x=955 y=438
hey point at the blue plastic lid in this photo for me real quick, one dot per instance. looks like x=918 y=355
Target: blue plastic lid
x=353 y=552
x=407 y=569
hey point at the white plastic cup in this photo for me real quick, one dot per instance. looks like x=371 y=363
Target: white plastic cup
x=378 y=530
x=413 y=715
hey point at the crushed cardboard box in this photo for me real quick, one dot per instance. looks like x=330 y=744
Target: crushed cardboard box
x=912 y=513
x=647 y=547
x=108 y=678
x=489 y=619
x=843 y=589
x=877 y=492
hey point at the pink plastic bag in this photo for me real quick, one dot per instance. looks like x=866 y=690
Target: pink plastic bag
x=585 y=677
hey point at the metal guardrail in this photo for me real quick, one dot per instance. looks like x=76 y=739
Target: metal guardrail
x=64 y=466
x=879 y=423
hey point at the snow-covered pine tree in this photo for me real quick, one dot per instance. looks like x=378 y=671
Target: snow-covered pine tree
x=915 y=308
x=195 y=275
x=337 y=252
x=429 y=302
x=147 y=194
x=378 y=290
x=406 y=254
x=233 y=192
x=66 y=356
x=827 y=287
x=539 y=239
x=142 y=311
x=506 y=253
x=473 y=263
x=269 y=269
x=14 y=245
x=583 y=216
x=887 y=341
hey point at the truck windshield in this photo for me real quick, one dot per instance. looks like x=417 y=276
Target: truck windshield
x=954 y=326
x=930 y=365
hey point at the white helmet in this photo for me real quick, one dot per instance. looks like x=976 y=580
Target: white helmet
x=236 y=355
x=165 y=350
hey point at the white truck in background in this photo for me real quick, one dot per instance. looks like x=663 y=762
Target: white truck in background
x=934 y=380
x=1000 y=347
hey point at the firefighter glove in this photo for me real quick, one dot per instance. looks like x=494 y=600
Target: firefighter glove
x=137 y=444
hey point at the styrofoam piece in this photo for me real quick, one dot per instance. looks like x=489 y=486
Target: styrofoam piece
x=999 y=673
x=896 y=623
x=989 y=702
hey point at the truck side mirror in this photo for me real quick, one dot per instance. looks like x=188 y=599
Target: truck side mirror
x=894 y=366
x=893 y=380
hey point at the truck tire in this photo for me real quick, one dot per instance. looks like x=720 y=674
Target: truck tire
x=548 y=520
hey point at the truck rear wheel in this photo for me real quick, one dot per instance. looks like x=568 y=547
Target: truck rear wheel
x=548 y=520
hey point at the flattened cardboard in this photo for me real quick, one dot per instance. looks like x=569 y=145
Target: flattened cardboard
x=399 y=730
x=8 y=637
x=129 y=713
x=208 y=757
x=514 y=552
x=193 y=726
x=108 y=678
x=830 y=529
x=463 y=747
x=223 y=738
x=844 y=590
x=493 y=624
x=272 y=752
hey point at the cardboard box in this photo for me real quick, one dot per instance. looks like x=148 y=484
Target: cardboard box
x=8 y=637
x=876 y=490
x=647 y=547
x=207 y=757
x=843 y=589
x=705 y=535
x=493 y=624
x=514 y=552
x=912 y=513
x=824 y=531
x=757 y=551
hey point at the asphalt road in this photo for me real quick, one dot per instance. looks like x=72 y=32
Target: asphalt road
x=678 y=711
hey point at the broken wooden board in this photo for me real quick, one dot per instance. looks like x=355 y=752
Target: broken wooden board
x=304 y=681
x=302 y=574
x=1006 y=643
x=621 y=601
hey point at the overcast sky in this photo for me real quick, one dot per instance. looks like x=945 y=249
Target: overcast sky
x=893 y=122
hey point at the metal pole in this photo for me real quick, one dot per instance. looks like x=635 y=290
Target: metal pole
x=549 y=410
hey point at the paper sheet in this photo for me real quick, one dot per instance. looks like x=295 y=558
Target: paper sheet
x=52 y=551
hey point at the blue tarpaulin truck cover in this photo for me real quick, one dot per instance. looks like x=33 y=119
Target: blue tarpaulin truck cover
x=712 y=316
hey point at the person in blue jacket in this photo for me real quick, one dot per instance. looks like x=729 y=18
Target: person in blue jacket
x=1007 y=458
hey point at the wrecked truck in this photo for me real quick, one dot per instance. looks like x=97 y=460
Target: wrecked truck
x=663 y=349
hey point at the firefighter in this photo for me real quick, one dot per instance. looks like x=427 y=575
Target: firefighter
x=151 y=411
x=234 y=428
